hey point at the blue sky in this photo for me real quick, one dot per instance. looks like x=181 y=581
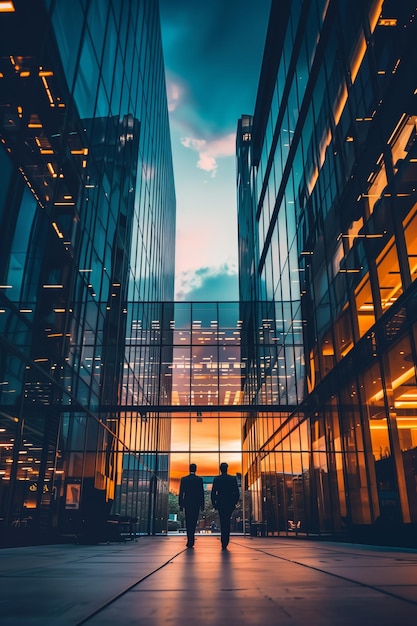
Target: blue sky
x=213 y=53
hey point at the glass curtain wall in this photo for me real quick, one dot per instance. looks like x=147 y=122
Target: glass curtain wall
x=87 y=214
x=206 y=375
x=333 y=183
x=204 y=364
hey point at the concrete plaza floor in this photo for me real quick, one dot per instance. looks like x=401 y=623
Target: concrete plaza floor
x=156 y=581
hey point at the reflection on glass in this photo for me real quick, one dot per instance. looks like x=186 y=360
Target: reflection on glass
x=364 y=306
x=410 y=233
x=390 y=284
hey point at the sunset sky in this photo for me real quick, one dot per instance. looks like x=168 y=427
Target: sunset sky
x=213 y=54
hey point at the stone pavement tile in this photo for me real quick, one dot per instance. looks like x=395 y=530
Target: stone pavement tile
x=404 y=591
x=62 y=584
x=257 y=581
x=248 y=586
x=209 y=587
x=247 y=608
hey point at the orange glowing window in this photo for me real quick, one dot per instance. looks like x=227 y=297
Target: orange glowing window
x=357 y=57
x=375 y=14
x=352 y=233
x=378 y=181
x=387 y=22
x=400 y=139
x=364 y=306
x=339 y=105
x=7 y=7
x=389 y=277
x=410 y=233
x=312 y=180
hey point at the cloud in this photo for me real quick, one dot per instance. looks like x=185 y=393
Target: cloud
x=211 y=150
x=208 y=284
x=175 y=93
x=207 y=45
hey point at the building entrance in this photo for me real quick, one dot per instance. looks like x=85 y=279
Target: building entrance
x=177 y=392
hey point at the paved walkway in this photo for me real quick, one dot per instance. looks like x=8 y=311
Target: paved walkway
x=155 y=581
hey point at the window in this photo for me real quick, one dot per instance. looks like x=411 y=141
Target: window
x=410 y=233
x=390 y=284
x=364 y=306
x=399 y=145
x=378 y=182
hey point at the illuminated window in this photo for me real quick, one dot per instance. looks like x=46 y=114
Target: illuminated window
x=401 y=138
x=364 y=306
x=337 y=258
x=375 y=14
x=343 y=333
x=390 y=284
x=410 y=233
x=378 y=182
x=402 y=395
x=357 y=57
x=377 y=414
x=7 y=7
x=387 y=22
x=352 y=233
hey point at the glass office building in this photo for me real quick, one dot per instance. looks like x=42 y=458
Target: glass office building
x=327 y=201
x=307 y=386
x=87 y=216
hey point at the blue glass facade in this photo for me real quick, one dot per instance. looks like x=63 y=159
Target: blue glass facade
x=87 y=214
x=332 y=187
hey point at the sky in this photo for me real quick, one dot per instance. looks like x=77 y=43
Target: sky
x=213 y=54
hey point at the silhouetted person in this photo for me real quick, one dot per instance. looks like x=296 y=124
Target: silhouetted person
x=191 y=499
x=225 y=496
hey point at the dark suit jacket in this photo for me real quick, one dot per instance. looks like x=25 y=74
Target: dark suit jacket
x=191 y=492
x=225 y=493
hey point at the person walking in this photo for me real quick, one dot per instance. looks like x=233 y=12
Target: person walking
x=224 y=497
x=191 y=500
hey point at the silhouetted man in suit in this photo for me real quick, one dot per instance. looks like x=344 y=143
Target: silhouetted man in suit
x=191 y=499
x=225 y=496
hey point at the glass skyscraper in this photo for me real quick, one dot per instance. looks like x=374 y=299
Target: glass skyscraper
x=326 y=222
x=87 y=216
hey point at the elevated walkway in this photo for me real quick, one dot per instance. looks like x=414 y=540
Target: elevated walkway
x=156 y=581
